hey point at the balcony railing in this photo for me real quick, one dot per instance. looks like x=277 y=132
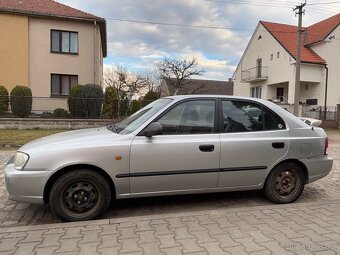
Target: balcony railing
x=255 y=74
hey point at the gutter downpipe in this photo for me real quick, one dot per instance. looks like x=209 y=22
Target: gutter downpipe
x=326 y=91
x=94 y=51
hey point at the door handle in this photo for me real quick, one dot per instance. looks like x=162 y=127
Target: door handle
x=207 y=147
x=278 y=145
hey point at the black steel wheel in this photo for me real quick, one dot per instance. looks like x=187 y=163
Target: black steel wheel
x=80 y=195
x=285 y=183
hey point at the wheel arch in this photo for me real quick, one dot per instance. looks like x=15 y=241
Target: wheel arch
x=54 y=177
x=296 y=161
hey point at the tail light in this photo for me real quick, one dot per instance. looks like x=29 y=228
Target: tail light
x=326 y=146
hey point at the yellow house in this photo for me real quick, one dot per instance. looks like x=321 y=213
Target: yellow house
x=50 y=47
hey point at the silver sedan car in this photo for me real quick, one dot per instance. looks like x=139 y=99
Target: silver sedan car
x=175 y=145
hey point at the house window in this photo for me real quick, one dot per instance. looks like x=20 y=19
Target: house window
x=313 y=101
x=64 y=42
x=278 y=54
x=62 y=83
x=271 y=56
x=255 y=92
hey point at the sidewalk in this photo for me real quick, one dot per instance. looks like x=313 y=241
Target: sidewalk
x=308 y=228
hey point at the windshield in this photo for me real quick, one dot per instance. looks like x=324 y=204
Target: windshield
x=134 y=121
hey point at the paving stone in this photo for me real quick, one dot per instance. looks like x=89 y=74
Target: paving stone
x=203 y=237
x=108 y=241
x=33 y=236
x=167 y=241
x=109 y=229
x=213 y=248
x=9 y=244
x=25 y=248
x=45 y=250
x=90 y=236
x=89 y=248
x=225 y=241
x=172 y=250
x=190 y=245
x=151 y=248
x=161 y=229
x=175 y=223
x=129 y=245
x=147 y=237
x=68 y=245
x=50 y=240
x=109 y=251
x=72 y=233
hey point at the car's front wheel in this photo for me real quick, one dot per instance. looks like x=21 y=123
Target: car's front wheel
x=285 y=183
x=80 y=194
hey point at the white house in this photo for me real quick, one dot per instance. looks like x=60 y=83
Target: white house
x=267 y=67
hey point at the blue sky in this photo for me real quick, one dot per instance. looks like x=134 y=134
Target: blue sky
x=138 y=46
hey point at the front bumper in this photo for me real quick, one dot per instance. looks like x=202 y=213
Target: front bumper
x=25 y=186
x=318 y=167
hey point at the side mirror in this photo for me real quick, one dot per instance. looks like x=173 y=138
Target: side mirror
x=153 y=129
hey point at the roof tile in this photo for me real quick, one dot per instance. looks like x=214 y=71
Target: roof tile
x=45 y=7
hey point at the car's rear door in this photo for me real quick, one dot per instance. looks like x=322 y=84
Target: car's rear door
x=185 y=157
x=253 y=139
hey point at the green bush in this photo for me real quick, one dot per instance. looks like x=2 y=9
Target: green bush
x=149 y=97
x=92 y=96
x=4 y=100
x=135 y=106
x=110 y=106
x=60 y=113
x=75 y=102
x=21 y=101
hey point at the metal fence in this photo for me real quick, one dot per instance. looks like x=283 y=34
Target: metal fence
x=45 y=107
x=320 y=112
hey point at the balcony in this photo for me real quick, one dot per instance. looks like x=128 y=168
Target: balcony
x=255 y=74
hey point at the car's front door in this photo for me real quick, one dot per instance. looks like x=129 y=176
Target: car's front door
x=185 y=157
x=253 y=139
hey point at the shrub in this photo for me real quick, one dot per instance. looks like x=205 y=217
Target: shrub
x=4 y=100
x=92 y=96
x=60 y=113
x=110 y=107
x=21 y=101
x=149 y=97
x=75 y=102
x=135 y=106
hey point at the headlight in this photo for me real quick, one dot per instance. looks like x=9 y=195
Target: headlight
x=20 y=160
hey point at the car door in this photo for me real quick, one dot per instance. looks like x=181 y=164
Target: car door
x=253 y=139
x=185 y=157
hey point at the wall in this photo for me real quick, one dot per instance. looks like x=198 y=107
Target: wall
x=31 y=123
x=329 y=50
x=42 y=62
x=13 y=50
x=279 y=69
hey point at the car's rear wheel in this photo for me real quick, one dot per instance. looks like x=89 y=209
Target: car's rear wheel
x=80 y=195
x=285 y=183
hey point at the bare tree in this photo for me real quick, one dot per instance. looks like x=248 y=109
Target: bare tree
x=175 y=72
x=125 y=81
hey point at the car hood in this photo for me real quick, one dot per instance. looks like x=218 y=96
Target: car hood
x=76 y=138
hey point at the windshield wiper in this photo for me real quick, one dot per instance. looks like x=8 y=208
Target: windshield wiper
x=112 y=127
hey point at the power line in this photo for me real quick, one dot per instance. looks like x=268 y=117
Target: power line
x=266 y=4
x=322 y=3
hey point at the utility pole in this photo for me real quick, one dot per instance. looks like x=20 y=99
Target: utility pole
x=299 y=12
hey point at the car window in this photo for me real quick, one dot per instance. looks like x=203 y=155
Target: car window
x=243 y=116
x=190 y=117
x=272 y=121
x=133 y=122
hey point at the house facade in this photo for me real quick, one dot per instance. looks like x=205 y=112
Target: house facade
x=267 y=67
x=50 y=47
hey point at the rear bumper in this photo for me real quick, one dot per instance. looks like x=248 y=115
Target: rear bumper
x=318 y=167
x=25 y=186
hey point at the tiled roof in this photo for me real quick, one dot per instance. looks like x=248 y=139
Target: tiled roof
x=44 y=8
x=319 y=31
x=197 y=86
x=286 y=35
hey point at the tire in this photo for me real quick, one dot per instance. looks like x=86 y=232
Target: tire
x=79 y=195
x=285 y=183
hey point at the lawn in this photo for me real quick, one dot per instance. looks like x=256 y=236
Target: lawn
x=16 y=138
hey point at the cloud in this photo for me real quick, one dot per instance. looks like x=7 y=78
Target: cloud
x=139 y=46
